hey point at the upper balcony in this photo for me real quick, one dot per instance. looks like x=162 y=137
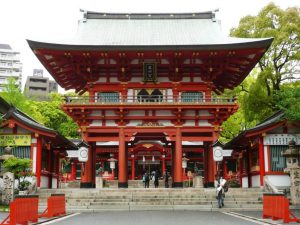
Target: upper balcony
x=145 y=100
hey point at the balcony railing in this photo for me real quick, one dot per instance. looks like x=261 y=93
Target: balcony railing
x=130 y=100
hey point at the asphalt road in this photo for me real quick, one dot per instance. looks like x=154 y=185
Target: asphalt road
x=153 y=218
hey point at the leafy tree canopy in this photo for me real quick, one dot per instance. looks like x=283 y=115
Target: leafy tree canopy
x=47 y=113
x=272 y=86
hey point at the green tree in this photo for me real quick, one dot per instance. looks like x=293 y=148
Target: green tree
x=20 y=168
x=55 y=118
x=288 y=100
x=279 y=65
x=14 y=96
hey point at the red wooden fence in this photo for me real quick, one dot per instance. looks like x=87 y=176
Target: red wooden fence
x=276 y=206
x=23 y=209
x=56 y=206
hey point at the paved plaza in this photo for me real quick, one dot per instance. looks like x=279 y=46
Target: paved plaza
x=164 y=218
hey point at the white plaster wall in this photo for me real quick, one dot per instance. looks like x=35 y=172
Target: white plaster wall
x=255 y=180
x=204 y=123
x=110 y=113
x=96 y=113
x=136 y=79
x=280 y=180
x=114 y=79
x=164 y=113
x=44 y=182
x=266 y=158
x=245 y=182
x=111 y=123
x=34 y=160
x=169 y=95
x=136 y=113
x=186 y=79
x=96 y=123
x=130 y=95
x=165 y=122
x=189 y=123
x=204 y=113
x=163 y=79
x=190 y=113
x=197 y=79
x=134 y=122
x=54 y=183
x=102 y=79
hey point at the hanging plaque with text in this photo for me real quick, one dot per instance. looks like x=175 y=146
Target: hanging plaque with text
x=150 y=72
x=281 y=139
x=15 y=140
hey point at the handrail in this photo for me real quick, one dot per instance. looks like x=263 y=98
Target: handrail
x=144 y=99
x=268 y=186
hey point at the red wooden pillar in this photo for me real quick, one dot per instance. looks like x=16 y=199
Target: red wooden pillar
x=57 y=166
x=177 y=180
x=249 y=155
x=73 y=171
x=163 y=162
x=49 y=163
x=241 y=170
x=132 y=168
x=224 y=168
x=261 y=160
x=38 y=161
x=123 y=183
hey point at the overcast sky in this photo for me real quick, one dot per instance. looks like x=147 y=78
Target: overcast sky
x=52 y=19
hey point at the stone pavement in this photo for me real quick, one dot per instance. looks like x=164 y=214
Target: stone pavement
x=258 y=215
x=153 y=218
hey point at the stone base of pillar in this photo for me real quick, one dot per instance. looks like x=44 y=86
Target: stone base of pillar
x=198 y=182
x=87 y=185
x=177 y=184
x=123 y=184
x=99 y=182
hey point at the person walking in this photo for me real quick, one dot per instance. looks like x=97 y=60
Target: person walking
x=166 y=178
x=147 y=180
x=219 y=191
x=156 y=178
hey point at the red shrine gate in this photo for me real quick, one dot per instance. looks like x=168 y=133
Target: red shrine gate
x=150 y=96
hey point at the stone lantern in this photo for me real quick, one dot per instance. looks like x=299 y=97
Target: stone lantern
x=8 y=178
x=293 y=168
x=6 y=155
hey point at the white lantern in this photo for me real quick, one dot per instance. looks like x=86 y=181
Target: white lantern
x=112 y=164
x=184 y=164
x=218 y=153
x=83 y=155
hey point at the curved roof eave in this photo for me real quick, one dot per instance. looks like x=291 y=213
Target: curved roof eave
x=257 y=43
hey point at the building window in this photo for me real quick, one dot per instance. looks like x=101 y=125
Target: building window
x=108 y=97
x=278 y=163
x=192 y=96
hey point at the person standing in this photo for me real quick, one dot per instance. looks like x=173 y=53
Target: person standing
x=156 y=178
x=219 y=192
x=147 y=180
x=166 y=178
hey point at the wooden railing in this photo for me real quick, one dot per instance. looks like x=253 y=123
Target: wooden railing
x=147 y=100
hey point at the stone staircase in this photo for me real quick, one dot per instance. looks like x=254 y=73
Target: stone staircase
x=93 y=200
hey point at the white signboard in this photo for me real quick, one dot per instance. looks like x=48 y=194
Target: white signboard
x=218 y=153
x=227 y=152
x=83 y=154
x=281 y=139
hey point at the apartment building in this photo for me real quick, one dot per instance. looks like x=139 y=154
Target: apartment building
x=10 y=66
